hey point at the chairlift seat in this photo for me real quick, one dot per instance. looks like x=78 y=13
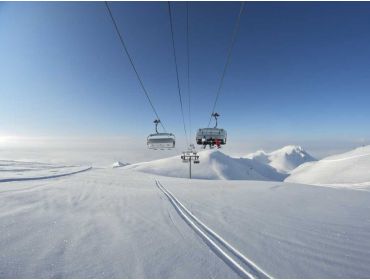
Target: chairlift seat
x=161 y=141
x=211 y=134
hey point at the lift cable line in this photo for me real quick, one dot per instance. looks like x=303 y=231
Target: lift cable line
x=177 y=73
x=188 y=62
x=234 y=34
x=132 y=63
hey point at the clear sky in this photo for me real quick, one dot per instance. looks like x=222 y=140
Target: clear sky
x=298 y=70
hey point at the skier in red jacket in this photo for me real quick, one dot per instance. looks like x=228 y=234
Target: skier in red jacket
x=218 y=143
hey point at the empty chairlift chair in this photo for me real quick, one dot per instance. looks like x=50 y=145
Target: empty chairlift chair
x=161 y=141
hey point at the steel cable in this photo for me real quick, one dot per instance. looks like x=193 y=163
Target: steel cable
x=132 y=63
x=233 y=38
x=177 y=72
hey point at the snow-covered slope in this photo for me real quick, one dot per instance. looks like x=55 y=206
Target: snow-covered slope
x=117 y=223
x=283 y=160
x=213 y=165
x=21 y=171
x=351 y=168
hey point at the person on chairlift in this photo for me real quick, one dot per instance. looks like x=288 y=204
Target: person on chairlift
x=204 y=143
x=210 y=142
x=218 y=143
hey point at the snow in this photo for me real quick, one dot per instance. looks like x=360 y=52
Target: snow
x=214 y=165
x=283 y=160
x=350 y=169
x=21 y=171
x=119 y=164
x=117 y=223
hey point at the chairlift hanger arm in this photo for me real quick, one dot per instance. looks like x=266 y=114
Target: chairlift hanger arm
x=156 y=122
x=215 y=115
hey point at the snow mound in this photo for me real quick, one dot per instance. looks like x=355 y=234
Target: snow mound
x=350 y=168
x=283 y=160
x=214 y=165
x=119 y=164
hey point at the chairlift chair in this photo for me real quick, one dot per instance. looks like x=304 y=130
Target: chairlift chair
x=184 y=159
x=160 y=141
x=211 y=134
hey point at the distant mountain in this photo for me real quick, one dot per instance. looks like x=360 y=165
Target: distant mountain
x=283 y=160
x=119 y=164
x=213 y=165
x=352 y=167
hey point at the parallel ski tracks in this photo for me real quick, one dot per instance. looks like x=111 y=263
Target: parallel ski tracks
x=243 y=266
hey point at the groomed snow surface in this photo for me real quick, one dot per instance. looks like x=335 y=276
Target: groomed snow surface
x=126 y=223
x=26 y=171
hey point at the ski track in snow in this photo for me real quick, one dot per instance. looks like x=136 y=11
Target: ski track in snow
x=231 y=256
x=44 y=177
x=115 y=223
x=96 y=226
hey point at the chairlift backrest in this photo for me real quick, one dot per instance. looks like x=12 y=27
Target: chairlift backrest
x=161 y=141
x=211 y=134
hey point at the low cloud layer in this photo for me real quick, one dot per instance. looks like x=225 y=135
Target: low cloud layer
x=103 y=151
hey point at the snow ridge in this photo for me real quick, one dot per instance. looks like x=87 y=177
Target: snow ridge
x=350 y=168
x=214 y=165
x=119 y=164
x=283 y=160
x=11 y=171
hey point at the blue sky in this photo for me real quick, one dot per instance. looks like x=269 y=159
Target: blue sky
x=298 y=70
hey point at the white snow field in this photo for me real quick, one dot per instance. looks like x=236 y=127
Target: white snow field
x=213 y=165
x=121 y=223
x=350 y=169
x=24 y=171
x=283 y=160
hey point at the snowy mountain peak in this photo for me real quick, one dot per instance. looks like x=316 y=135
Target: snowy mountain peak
x=213 y=165
x=284 y=160
x=256 y=154
x=212 y=154
x=119 y=164
x=290 y=149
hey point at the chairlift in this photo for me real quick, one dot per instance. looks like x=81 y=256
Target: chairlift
x=162 y=140
x=190 y=155
x=184 y=159
x=210 y=136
